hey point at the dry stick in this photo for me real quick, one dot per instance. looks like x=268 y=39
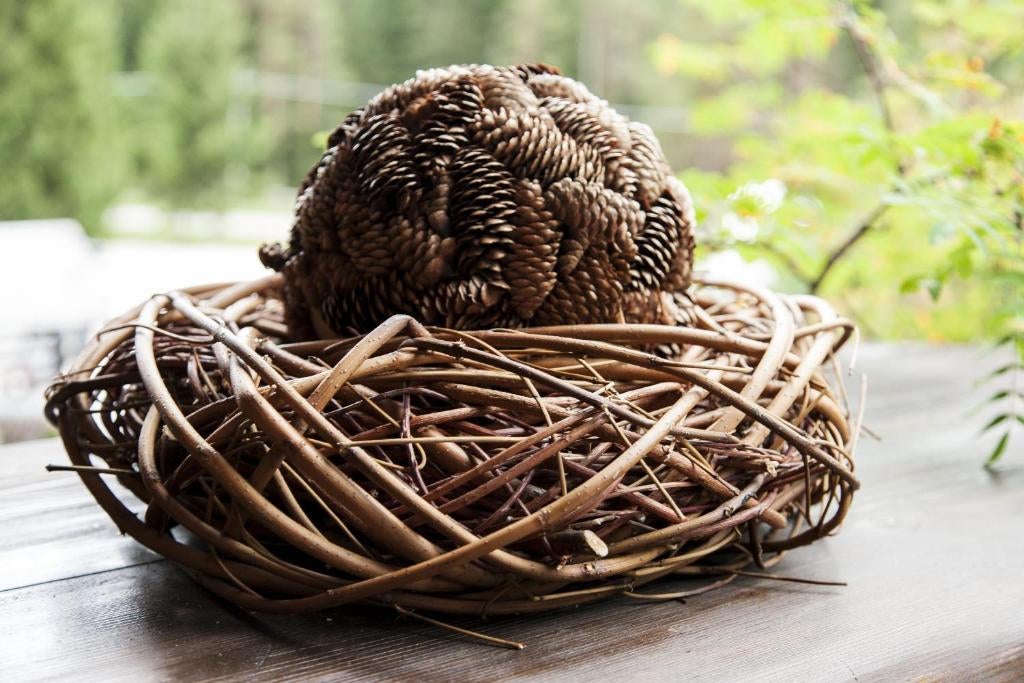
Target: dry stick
x=427 y=601
x=858 y=423
x=184 y=555
x=693 y=525
x=647 y=468
x=365 y=396
x=699 y=472
x=814 y=356
x=679 y=595
x=416 y=421
x=458 y=351
x=410 y=440
x=292 y=503
x=790 y=579
x=551 y=450
x=581 y=469
x=843 y=324
x=845 y=494
x=754 y=411
x=767 y=367
x=238 y=582
x=91 y=357
x=645 y=503
x=640 y=335
x=515 y=531
x=821 y=348
x=555 y=600
x=490 y=640
x=118 y=471
x=679 y=563
x=174 y=509
x=547 y=419
x=372 y=518
x=325 y=507
x=358 y=505
x=536 y=397
x=505 y=506
x=155 y=330
x=625 y=440
x=211 y=460
x=567 y=422
x=378 y=474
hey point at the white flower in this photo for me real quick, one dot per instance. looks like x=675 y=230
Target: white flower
x=740 y=228
x=750 y=203
x=768 y=194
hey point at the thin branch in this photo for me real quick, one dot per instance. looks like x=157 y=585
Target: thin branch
x=862 y=229
x=118 y=471
x=787 y=260
x=868 y=222
x=490 y=640
x=871 y=63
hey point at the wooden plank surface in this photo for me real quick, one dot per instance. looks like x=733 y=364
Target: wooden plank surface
x=933 y=552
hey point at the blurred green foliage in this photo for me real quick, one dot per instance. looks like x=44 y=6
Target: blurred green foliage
x=58 y=141
x=870 y=151
x=188 y=142
x=895 y=187
x=917 y=157
x=197 y=104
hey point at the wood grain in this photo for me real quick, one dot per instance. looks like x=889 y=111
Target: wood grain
x=51 y=527
x=933 y=553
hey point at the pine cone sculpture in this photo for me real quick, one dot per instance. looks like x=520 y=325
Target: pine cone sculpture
x=482 y=196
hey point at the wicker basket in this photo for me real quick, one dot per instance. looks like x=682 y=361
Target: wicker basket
x=484 y=472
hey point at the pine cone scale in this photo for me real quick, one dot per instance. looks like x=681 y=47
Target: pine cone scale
x=485 y=196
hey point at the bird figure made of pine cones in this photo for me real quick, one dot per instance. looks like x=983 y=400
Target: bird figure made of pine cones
x=481 y=196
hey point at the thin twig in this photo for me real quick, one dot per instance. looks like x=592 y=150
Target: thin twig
x=118 y=471
x=863 y=227
x=490 y=640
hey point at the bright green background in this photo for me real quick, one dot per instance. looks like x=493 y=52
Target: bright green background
x=798 y=126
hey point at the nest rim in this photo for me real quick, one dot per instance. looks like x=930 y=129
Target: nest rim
x=471 y=577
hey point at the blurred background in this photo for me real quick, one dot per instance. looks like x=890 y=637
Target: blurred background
x=871 y=152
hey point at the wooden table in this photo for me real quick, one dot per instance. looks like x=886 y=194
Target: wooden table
x=933 y=552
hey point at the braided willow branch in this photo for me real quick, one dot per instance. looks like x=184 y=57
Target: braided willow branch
x=495 y=471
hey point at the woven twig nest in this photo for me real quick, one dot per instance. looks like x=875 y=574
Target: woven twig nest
x=481 y=196
x=481 y=472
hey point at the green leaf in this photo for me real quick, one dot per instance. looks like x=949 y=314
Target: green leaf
x=911 y=284
x=1004 y=394
x=932 y=285
x=998 y=451
x=1006 y=339
x=996 y=421
x=999 y=372
x=963 y=264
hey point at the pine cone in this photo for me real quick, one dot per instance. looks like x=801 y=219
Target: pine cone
x=481 y=196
